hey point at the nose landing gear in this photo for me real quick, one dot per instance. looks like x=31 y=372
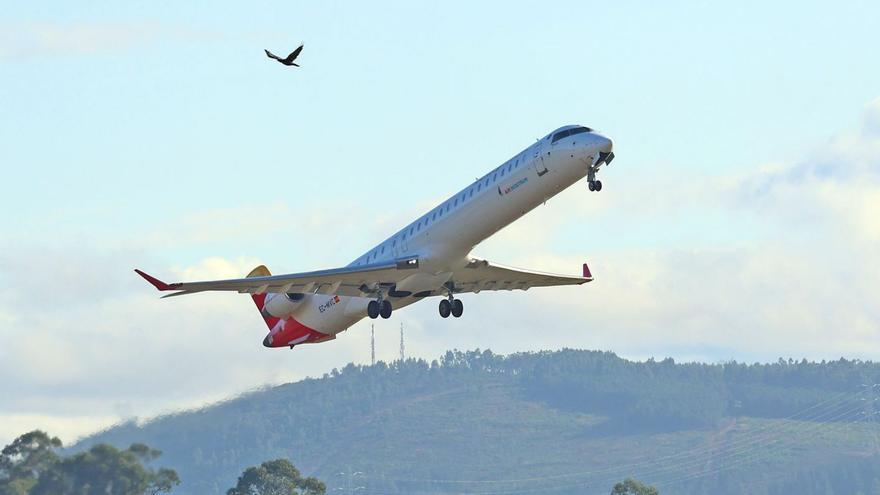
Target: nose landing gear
x=604 y=158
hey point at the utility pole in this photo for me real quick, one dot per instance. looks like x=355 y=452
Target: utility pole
x=372 y=345
x=402 y=348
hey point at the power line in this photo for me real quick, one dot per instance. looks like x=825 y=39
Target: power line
x=770 y=435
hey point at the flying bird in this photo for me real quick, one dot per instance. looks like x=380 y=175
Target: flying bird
x=290 y=58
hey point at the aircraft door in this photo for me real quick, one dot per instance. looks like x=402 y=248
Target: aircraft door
x=538 y=161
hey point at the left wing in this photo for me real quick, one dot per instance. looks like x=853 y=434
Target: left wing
x=346 y=281
x=481 y=275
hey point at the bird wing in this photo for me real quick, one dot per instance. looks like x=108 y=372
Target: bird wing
x=271 y=55
x=294 y=54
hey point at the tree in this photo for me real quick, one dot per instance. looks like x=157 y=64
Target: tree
x=106 y=470
x=24 y=460
x=278 y=477
x=630 y=486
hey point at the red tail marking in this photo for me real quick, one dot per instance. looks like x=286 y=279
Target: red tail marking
x=587 y=273
x=282 y=332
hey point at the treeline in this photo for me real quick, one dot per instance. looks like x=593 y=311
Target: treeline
x=31 y=465
x=651 y=394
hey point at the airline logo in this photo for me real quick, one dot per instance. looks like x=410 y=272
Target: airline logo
x=505 y=189
x=329 y=304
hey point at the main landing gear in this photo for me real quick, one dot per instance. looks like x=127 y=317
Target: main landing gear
x=379 y=308
x=595 y=185
x=451 y=306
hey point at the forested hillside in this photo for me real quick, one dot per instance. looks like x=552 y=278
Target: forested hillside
x=552 y=422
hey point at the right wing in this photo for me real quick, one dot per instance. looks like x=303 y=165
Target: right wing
x=484 y=275
x=346 y=281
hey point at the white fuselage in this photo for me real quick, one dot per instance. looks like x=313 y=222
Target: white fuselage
x=442 y=239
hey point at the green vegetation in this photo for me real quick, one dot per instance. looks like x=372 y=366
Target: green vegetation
x=277 y=477
x=31 y=466
x=551 y=422
x=633 y=487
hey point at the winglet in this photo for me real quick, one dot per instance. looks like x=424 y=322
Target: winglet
x=587 y=273
x=156 y=282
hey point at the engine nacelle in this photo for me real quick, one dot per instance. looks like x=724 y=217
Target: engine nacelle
x=282 y=305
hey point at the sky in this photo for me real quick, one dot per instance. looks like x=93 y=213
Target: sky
x=739 y=221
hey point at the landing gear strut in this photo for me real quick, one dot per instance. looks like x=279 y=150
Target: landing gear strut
x=452 y=306
x=379 y=308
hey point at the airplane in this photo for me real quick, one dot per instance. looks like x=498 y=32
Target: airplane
x=429 y=257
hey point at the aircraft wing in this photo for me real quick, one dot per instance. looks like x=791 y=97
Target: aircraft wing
x=484 y=275
x=346 y=281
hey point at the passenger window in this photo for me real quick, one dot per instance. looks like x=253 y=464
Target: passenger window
x=479 y=186
x=494 y=176
x=456 y=202
x=383 y=249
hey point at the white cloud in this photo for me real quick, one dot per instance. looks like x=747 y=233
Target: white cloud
x=59 y=40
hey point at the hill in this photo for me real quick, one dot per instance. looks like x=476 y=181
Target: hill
x=570 y=421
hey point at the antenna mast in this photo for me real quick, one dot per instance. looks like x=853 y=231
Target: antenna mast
x=372 y=345
x=402 y=348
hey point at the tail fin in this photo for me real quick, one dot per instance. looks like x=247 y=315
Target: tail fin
x=260 y=299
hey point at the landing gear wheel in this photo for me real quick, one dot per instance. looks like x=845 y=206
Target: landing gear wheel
x=457 y=308
x=598 y=185
x=592 y=186
x=445 y=308
x=373 y=309
x=385 y=310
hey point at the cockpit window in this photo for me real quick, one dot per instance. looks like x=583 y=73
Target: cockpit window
x=569 y=132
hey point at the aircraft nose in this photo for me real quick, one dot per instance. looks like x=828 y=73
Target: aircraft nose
x=605 y=144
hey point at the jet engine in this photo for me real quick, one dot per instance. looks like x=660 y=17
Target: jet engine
x=282 y=305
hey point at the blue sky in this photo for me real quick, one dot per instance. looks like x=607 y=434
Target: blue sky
x=158 y=135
